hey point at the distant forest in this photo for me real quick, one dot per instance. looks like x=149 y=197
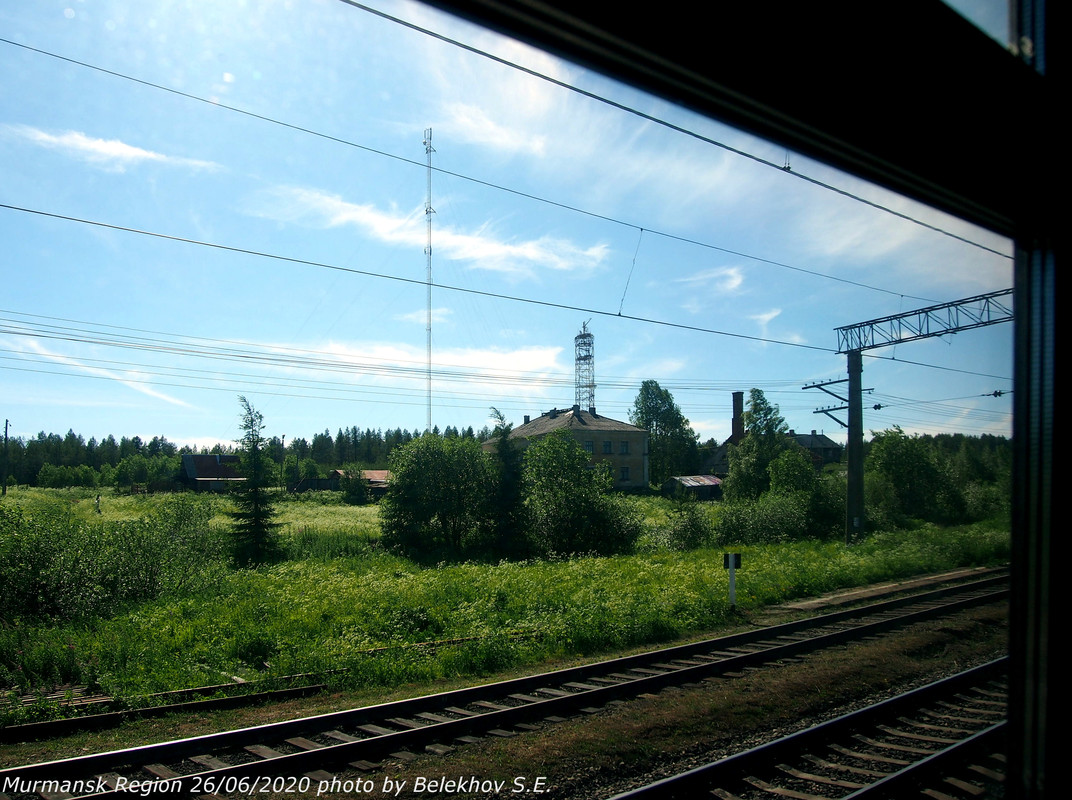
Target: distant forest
x=54 y=461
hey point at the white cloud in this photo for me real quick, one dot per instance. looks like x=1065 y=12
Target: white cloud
x=474 y=125
x=764 y=320
x=109 y=154
x=130 y=380
x=482 y=250
x=488 y=372
x=661 y=366
x=720 y=279
x=439 y=316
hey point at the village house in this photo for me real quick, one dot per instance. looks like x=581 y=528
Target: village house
x=209 y=473
x=623 y=447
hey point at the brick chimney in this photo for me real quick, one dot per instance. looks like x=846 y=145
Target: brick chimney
x=737 y=431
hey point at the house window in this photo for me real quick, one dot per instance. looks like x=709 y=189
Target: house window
x=608 y=448
x=625 y=474
x=624 y=449
x=589 y=447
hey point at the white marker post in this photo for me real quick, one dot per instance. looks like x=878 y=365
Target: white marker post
x=732 y=562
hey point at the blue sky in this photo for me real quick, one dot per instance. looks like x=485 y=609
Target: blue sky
x=208 y=199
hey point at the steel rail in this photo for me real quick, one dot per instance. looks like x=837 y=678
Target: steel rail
x=652 y=671
x=902 y=782
x=60 y=727
x=730 y=770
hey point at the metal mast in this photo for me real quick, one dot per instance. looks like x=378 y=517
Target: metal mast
x=584 y=345
x=937 y=320
x=428 y=212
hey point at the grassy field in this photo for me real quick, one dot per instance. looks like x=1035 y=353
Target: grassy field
x=340 y=602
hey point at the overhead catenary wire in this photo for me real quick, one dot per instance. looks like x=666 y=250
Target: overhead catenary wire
x=666 y=124
x=216 y=103
x=507 y=297
x=38 y=326
x=171 y=344
x=308 y=361
x=384 y=276
x=464 y=290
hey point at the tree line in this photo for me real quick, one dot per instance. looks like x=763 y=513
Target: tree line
x=772 y=484
x=54 y=461
x=773 y=491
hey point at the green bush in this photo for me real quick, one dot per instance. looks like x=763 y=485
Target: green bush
x=775 y=517
x=689 y=526
x=567 y=507
x=355 y=489
x=986 y=501
x=438 y=500
x=53 y=565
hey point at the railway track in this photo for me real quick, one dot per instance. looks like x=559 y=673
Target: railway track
x=306 y=751
x=944 y=740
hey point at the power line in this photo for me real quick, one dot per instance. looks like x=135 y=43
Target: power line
x=671 y=126
x=174 y=344
x=909 y=362
x=464 y=290
x=369 y=274
x=477 y=181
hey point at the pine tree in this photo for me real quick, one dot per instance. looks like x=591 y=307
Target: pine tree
x=254 y=529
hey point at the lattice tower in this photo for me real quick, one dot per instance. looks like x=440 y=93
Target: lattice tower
x=584 y=345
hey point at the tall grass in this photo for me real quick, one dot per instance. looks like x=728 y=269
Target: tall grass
x=341 y=602
x=323 y=532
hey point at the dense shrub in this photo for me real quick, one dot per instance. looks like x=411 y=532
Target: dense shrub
x=775 y=517
x=355 y=489
x=689 y=526
x=986 y=501
x=438 y=499
x=62 y=477
x=567 y=507
x=919 y=481
x=54 y=566
x=826 y=507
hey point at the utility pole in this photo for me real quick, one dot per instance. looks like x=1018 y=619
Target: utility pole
x=936 y=320
x=3 y=471
x=428 y=212
x=853 y=403
x=854 y=489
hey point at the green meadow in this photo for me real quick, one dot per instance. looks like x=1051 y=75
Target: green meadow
x=138 y=598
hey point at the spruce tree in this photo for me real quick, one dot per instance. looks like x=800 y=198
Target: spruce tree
x=254 y=529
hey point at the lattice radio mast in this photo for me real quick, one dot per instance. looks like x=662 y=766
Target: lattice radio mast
x=584 y=345
x=428 y=212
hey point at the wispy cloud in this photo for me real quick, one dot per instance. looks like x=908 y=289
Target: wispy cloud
x=474 y=125
x=489 y=372
x=109 y=154
x=764 y=320
x=126 y=379
x=481 y=249
x=720 y=279
x=439 y=315
x=706 y=284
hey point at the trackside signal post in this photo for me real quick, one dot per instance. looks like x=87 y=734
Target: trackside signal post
x=732 y=562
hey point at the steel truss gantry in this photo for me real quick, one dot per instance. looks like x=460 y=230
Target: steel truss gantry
x=937 y=320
